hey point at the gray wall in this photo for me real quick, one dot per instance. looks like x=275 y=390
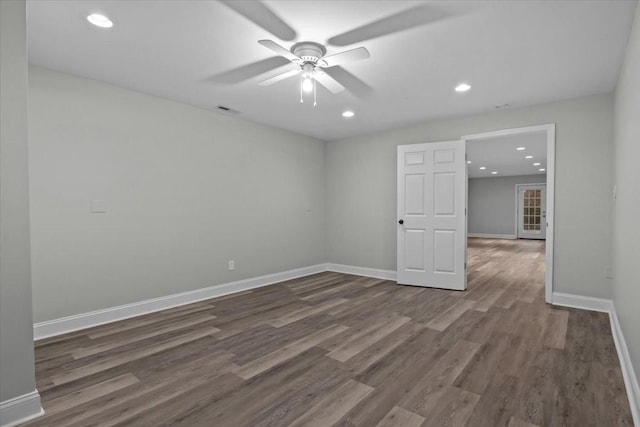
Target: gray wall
x=361 y=188
x=186 y=190
x=492 y=203
x=626 y=228
x=16 y=327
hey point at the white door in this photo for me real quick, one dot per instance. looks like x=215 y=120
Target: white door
x=532 y=211
x=432 y=225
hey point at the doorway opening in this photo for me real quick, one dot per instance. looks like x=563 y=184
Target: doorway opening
x=510 y=206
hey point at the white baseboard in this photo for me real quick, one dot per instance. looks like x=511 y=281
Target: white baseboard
x=20 y=409
x=578 y=301
x=76 y=322
x=628 y=373
x=492 y=236
x=362 y=271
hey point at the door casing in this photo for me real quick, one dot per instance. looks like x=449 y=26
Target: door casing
x=550 y=130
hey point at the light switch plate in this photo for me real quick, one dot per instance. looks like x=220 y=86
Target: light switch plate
x=98 y=206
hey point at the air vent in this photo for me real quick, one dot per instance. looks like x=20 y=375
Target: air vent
x=227 y=110
x=501 y=106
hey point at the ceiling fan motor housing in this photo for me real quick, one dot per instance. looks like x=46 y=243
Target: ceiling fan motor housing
x=309 y=52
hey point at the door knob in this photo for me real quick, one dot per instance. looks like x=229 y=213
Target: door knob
x=401 y=221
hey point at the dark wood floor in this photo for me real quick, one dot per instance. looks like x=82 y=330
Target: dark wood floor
x=335 y=349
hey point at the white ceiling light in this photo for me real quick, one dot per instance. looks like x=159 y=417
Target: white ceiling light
x=468 y=162
x=348 y=114
x=494 y=173
x=536 y=164
x=463 y=87
x=482 y=168
x=100 y=20
x=528 y=157
x=542 y=169
x=521 y=148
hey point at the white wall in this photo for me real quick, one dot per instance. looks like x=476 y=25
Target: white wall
x=186 y=191
x=492 y=203
x=16 y=330
x=626 y=228
x=361 y=188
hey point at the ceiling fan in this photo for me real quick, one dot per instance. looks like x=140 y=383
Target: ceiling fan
x=313 y=65
x=311 y=60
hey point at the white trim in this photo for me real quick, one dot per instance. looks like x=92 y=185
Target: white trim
x=492 y=236
x=551 y=167
x=628 y=373
x=578 y=301
x=362 y=271
x=510 y=131
x=20 y=409
x=76 y=322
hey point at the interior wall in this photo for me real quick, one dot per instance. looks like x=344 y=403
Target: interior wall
x=361 y=188
x=186 y=190
x=16 y=327
x=491 y=205
x=626 y=230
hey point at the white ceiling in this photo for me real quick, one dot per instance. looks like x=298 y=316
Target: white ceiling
x=515 y=52
x=500 y=154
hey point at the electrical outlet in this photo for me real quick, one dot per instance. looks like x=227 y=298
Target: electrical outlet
x=609 y=273
x=232 y=265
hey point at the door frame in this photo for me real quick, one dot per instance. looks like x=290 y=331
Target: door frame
x=518 y=186
x=550 y=130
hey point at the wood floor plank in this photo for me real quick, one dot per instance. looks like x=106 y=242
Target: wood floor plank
x=90 y=393
x=304 y=312
x=331 y=408
x=445 y=319
x=439 y=377
x=398 y=417
x=557 y=328
x=369 y=337
x=270 y=360
x=514 y=422
x=115 y=361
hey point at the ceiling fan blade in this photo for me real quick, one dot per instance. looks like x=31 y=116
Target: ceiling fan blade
x=410 y=18
x=278 y=77
x=328 y=82
x=270 y=44
x=343 y=57
x=261 y=15
x=349 y=81
x=248 y=71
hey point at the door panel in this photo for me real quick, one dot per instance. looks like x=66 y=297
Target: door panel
x=532 y=215
x=431 y=206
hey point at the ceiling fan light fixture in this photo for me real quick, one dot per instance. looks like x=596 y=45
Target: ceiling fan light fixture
x=307 y=84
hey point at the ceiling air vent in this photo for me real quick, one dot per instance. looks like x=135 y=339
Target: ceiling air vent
x=227 y=110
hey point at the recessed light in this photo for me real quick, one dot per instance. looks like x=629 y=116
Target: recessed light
x=348 y=113
x=100 y=20
x=494 y=173
x=521 y=148
x=468 y=162
x=536 y=164
x=542 y=169
x=482 y=168
x=528 y=157
x=463 y=87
